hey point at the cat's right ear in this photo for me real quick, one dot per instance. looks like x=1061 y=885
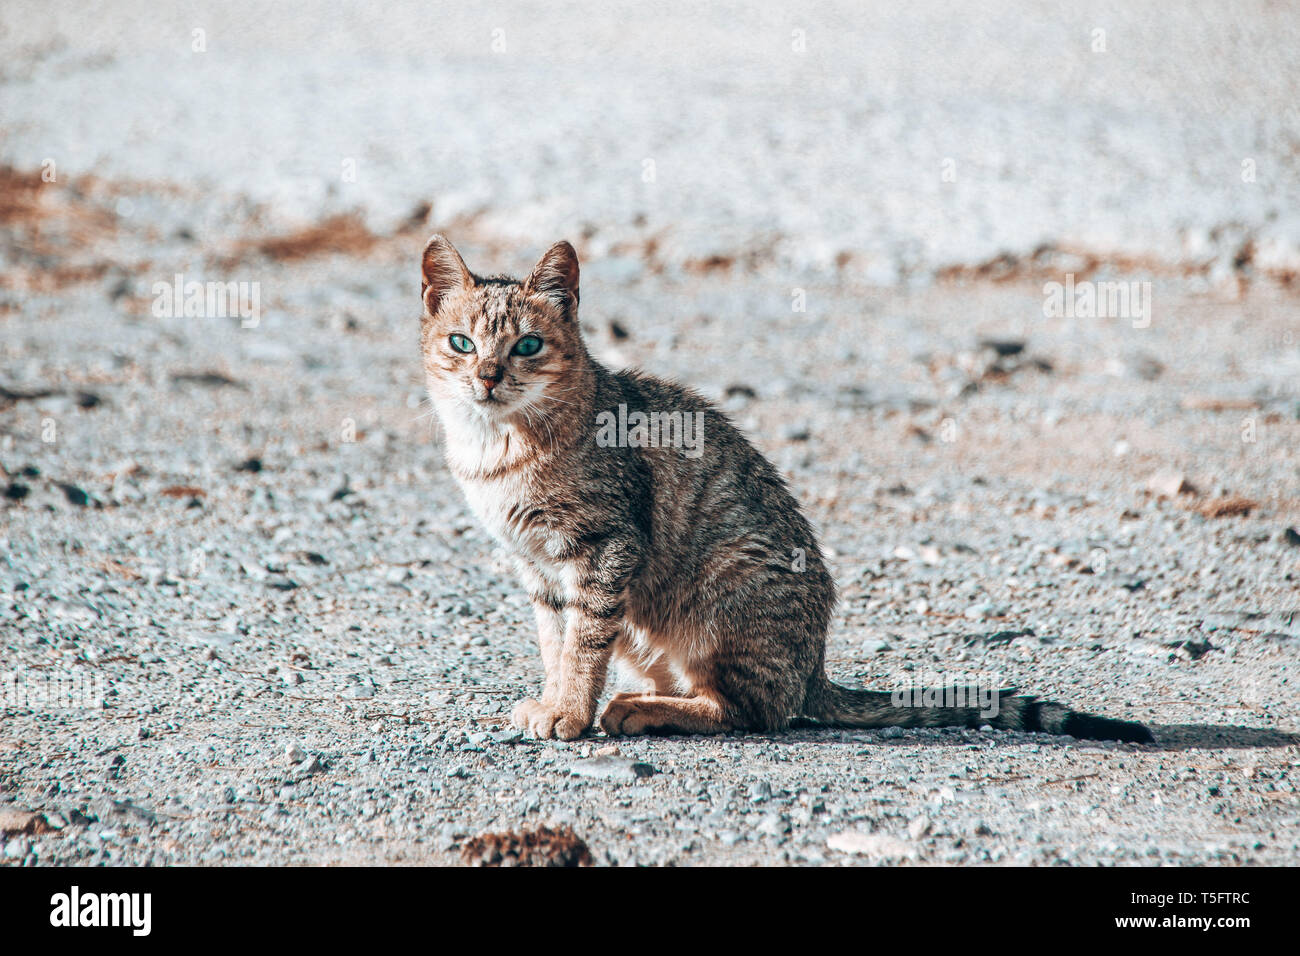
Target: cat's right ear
x=442 y=272
x=555 y=277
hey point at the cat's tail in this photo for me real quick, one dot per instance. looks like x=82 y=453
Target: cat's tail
x=955 y=706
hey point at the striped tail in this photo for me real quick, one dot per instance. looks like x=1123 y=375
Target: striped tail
x=839 y=706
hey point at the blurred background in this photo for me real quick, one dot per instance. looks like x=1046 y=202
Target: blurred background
x=888 y=142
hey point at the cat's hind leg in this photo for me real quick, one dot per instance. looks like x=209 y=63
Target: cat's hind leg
x=750 y=684
x=631 y=714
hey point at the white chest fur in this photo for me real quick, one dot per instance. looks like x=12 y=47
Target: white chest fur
x=493 y=501
x=488 y=462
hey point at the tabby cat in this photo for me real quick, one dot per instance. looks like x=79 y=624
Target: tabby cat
x=676 y=565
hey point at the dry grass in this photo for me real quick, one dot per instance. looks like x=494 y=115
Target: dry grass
x=545 y=846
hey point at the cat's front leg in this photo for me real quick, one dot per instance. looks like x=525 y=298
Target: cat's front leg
x=550 y=640
x=584 y=661
x=548 y=609
x=593 y=619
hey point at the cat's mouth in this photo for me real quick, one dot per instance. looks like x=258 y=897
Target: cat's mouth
x=503 y=401
x=493 y=401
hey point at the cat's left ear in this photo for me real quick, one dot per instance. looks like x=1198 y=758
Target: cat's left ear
x=556 y=277
x=442 y=272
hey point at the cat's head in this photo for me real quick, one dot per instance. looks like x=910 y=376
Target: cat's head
x=499 y=348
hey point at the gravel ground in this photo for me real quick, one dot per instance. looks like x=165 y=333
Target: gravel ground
x=243 y=533
x=310 y=651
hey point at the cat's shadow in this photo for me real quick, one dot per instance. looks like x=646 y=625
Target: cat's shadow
x=1218 y=737
x=1169 y=737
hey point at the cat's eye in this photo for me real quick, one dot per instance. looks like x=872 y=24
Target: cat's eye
x=528 y=345
x=461 y=343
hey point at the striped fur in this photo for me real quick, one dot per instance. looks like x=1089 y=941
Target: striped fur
x=698 y=574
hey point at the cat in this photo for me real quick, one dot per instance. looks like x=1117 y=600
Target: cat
x=676 y=565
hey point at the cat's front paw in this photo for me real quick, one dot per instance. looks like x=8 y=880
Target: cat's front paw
x=545 y=721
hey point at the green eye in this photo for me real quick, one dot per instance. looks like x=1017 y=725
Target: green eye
x=528 y=345
x=461 y=343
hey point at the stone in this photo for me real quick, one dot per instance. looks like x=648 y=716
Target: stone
x=876 y=845
x=310 y=766
x=613 y=769
x=1169 y=484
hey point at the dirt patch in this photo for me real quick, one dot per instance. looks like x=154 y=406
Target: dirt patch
x=345 y=234
x=184 y=491
x=1230 y=506
x=15 y=822
x=53 y=231
x=709 y=264
x=19 y=194
x=1050 y=262
x=1213 y=403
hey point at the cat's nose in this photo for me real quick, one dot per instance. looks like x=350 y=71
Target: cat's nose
x=490 y=376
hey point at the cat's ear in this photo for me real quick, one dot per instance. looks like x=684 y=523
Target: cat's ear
x=556 y=276
x=442 y=272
